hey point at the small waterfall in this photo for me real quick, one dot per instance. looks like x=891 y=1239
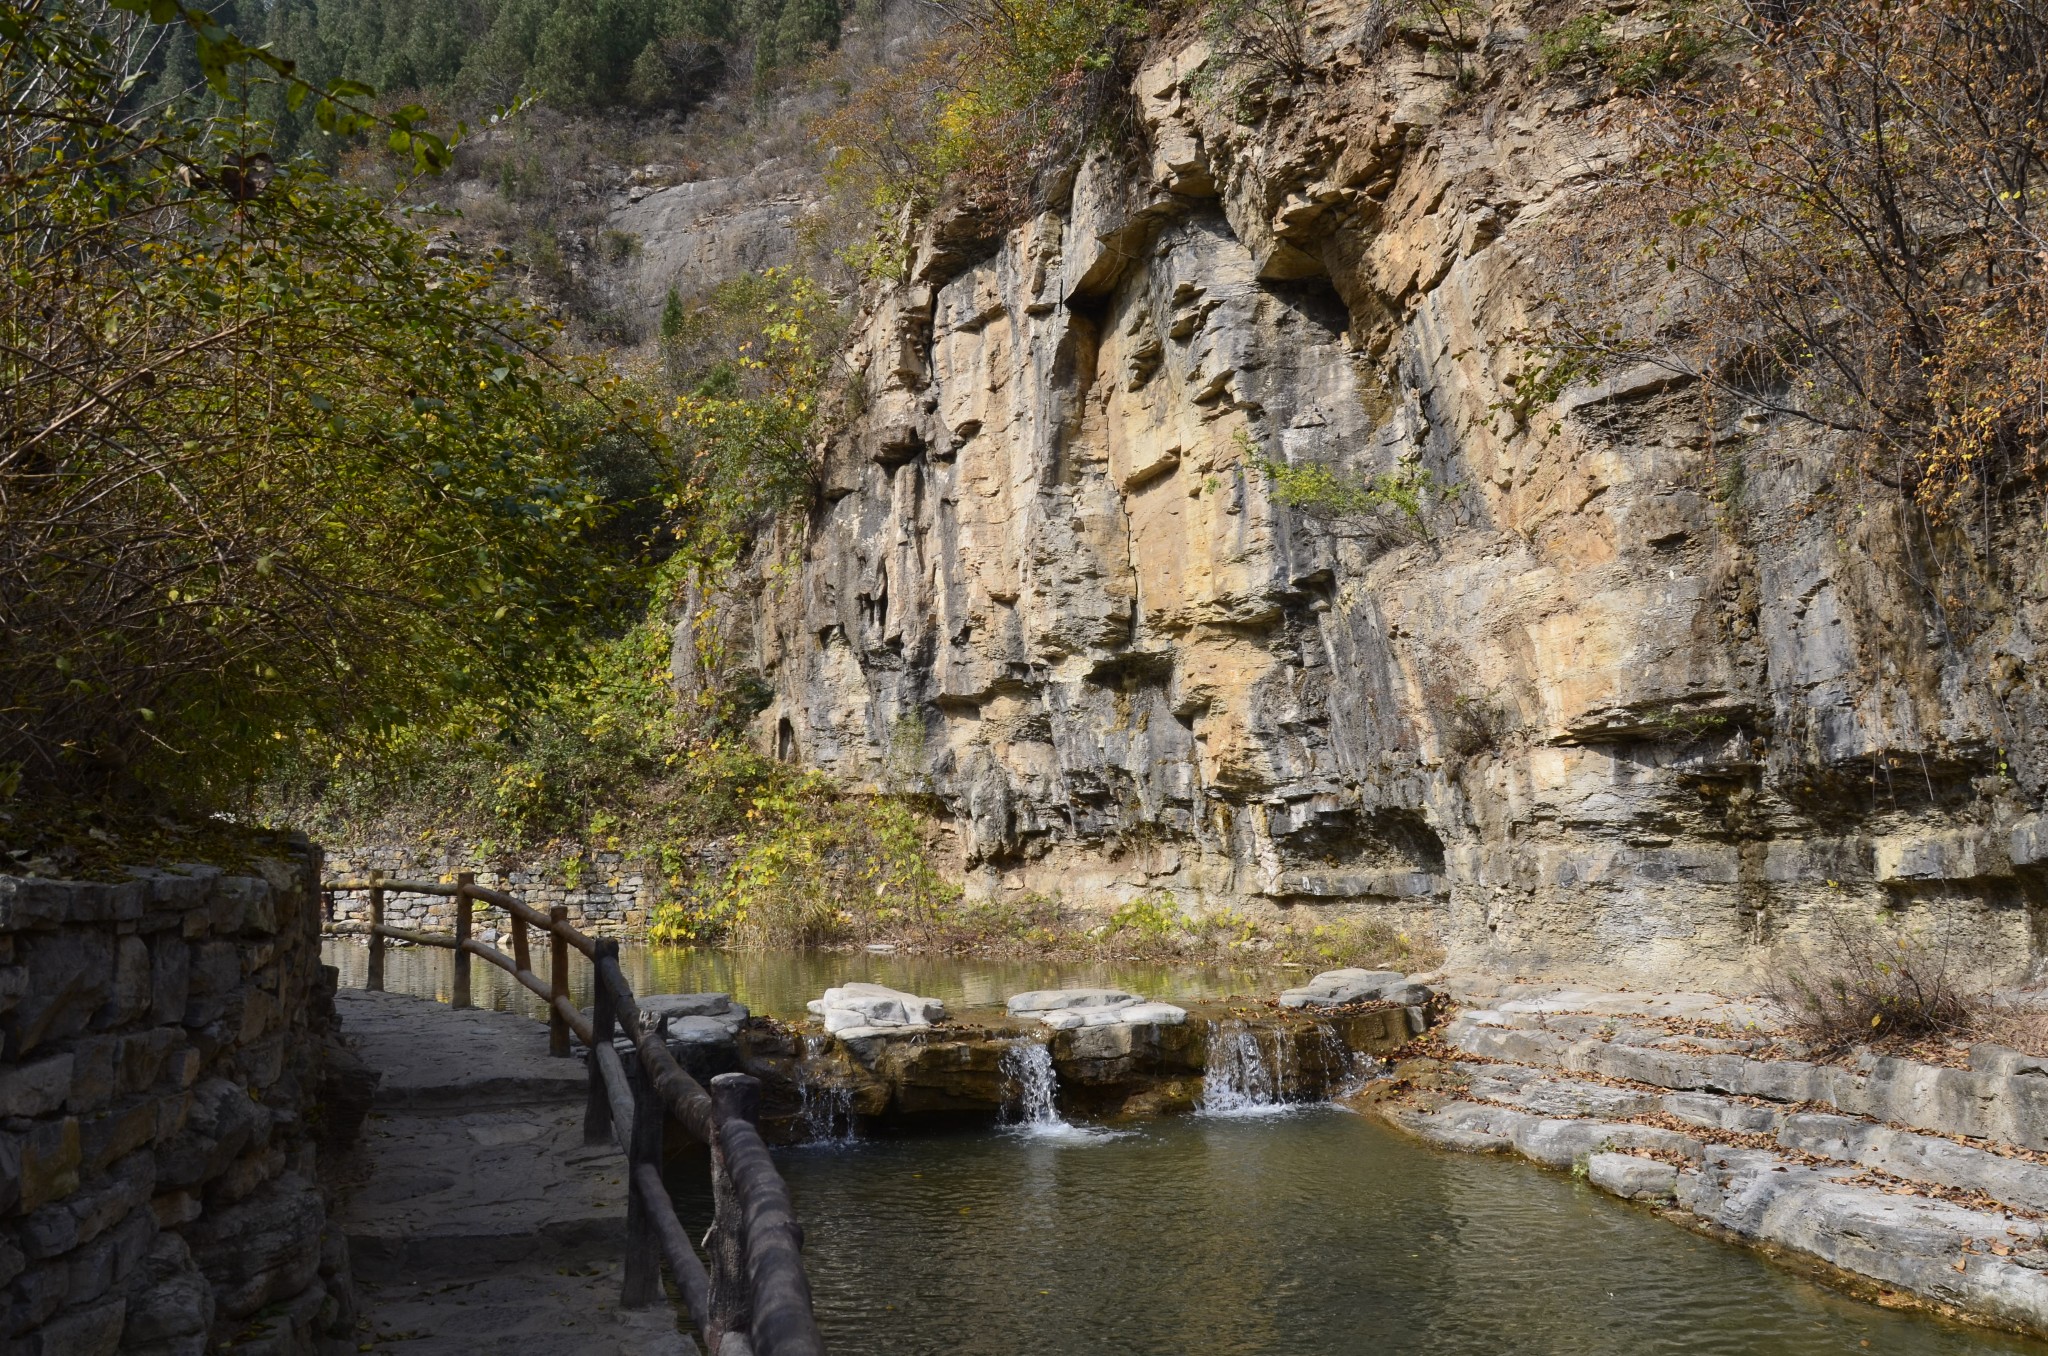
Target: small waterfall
x=1030 y=1107
x=825 y=1109
x=1345 y=1070
x=1238 y=1080
x=1027 y=1066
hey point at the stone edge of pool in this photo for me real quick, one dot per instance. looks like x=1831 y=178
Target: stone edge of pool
x=1907 y=1183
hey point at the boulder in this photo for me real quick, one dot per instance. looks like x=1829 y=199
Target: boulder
x=856 y=1006
x=696 y=1019
x=1334 y=988
x=674 y=1005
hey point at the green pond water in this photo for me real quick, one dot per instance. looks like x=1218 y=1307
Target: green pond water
x=1311 y=1233
x=1291 y=1231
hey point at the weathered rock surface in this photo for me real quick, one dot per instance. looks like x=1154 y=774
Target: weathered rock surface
x=690 y=237
x=853 y=1011
x=1333 y=988
x=1954 y=1224
x=1065 y=1009
x=1588 y=717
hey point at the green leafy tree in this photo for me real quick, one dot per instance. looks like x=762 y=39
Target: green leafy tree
x=272 y=464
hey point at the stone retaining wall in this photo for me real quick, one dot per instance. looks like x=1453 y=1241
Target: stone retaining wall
x=165 y=1044
x=610 y=896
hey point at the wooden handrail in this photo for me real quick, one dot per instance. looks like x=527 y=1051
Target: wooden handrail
x=756 y=1284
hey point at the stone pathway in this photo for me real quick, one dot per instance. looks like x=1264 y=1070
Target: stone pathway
x=478 y=1221
x=1917 y=1180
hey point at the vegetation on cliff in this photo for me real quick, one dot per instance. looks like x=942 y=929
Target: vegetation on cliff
x=1844 y=196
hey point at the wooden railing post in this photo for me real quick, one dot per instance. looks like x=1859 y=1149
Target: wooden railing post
x=597 y=1110
x=462 y=921
x=734 y=1096
x=376 y=980
x=643 y=1245
x=558 y=981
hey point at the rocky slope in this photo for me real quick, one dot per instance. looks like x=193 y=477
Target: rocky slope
x=1606 y=711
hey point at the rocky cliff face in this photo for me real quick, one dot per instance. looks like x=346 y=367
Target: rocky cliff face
x=1600 y=713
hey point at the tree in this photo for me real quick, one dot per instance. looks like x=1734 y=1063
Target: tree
x=1847 y=216
x=272 y=459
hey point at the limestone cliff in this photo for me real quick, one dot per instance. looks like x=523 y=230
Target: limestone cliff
x=1597 y=714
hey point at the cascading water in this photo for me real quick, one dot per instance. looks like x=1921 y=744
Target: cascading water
x=1345 y=1071
x=1238 y=1080
x=825 y=1109
x=1027 y=1066
x=1247 y=1076
x=1032 y=1087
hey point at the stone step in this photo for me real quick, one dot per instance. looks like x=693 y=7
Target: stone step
x=1989 y=1263
x=1905 y=1154
x=478 y=1221
x=2006 y=1101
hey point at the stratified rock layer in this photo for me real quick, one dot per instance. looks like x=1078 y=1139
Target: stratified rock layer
x=1607 y=710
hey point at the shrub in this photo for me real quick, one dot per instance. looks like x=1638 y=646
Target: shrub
x=813 y=867
x=994 y=110
x=1867 y=983
x=1410 y=491
x=1847 y=221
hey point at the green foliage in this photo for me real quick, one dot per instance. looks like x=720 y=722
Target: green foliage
x=1669 y=48
x=752 y=361
x=272 y=469
x=1331 y=493
x=813 y=867
x=1558 y=367
x=1008 y=94
x=673 y=317
x=620 y=751
x=1574 y=40
x=577 y=54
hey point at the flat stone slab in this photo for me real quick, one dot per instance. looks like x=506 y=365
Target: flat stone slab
x=456 y=1195
x=1126 y=1014
x=1065 y=1009
x=1705 y=1007
x=574 y=1312
x=434 y=1057
x=1334 y=988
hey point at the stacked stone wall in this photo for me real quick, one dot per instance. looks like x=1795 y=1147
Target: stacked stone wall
x=606 y=893
x=165 y=1045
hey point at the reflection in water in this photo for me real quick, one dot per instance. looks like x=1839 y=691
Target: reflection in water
x=1321 y=1234
x=779 y=983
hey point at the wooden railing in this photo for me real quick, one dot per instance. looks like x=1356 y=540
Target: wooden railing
x=754 y=1299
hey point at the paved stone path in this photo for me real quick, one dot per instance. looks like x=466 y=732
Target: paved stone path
x=478 y=1221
